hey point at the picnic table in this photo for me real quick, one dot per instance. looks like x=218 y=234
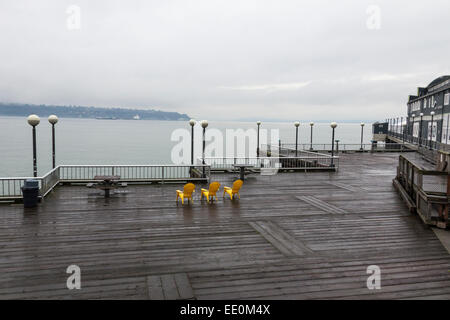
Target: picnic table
x=242 y=168
x=107 y=183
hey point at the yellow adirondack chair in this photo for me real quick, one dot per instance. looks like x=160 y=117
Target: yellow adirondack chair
x=188 y=189
x=213 y=188
x=234 y=190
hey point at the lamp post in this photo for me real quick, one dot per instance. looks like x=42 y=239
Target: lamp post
x=204 y=124
x=362 y=134
x=333 y=126
x=431 y=130
x=33 y=120
x=393 y=127
x=402 y=131
x=311 y=140
x=420 y=129
x=258 y=123
x=397 y=131
x=53 y=120
x=192 y=124
x=296 y=124
x=442 y=125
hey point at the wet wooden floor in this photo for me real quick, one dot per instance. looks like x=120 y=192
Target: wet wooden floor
x=290 y=236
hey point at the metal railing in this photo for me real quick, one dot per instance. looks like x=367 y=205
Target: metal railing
x=132 y=173
x=10 y=188
x=325 y=147
x=310 y=161
x=429 y=190
x=49 y=181
x=420 y=141
x=338 y=147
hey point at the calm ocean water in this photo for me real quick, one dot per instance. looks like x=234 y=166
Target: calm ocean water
x=91 y=141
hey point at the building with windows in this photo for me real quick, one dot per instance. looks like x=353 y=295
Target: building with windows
x=429 y=112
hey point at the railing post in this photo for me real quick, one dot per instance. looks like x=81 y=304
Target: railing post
x=162 y=175
x=420 y=180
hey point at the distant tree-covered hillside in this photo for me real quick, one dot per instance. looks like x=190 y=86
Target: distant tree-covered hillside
x=18 y=109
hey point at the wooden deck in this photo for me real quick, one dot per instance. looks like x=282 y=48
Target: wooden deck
x=291 y=236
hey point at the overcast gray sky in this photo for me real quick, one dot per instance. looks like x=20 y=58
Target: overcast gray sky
x=228 y=59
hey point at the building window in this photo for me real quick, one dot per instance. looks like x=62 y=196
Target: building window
x=434 y=125
x=446 y=99
x=416 y=129
x=445 y=132
x=415 y=106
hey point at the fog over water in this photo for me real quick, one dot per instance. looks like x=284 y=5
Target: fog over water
x=227 y=59
x=91 y=141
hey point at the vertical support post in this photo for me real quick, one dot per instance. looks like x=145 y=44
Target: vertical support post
x=258 y=123
x=52 y=119
x=402 y=129
x=362 y=136
x=192 y=145
x=397 y=128
x=419 y=179
x=332 y=148
x=34 y=153
x=296 y=141
x=53 y=146
x=442 y=126
x=203 y=152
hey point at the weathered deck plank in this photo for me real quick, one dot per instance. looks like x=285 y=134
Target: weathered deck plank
x=291 y=236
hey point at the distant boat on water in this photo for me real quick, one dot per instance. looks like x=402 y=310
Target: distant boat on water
x=106 y=118
x=136 y=117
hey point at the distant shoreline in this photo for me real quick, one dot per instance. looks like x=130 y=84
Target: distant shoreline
x=78 y=118
x=81 y=112
x=304 y=122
